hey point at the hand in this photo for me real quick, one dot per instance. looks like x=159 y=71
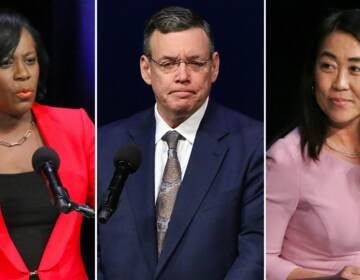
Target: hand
x=348 y=272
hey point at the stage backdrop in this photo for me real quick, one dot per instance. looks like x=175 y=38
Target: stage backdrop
x=67 y=28
x=238 y=31
x=289 y=31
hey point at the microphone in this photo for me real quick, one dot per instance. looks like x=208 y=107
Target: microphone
x=46 y=162
x=127 y=160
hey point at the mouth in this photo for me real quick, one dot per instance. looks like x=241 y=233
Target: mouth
x=24 y=93
x=340 y=101
x=182 y=93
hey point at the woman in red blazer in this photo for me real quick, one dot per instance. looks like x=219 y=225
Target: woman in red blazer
x=36 y=241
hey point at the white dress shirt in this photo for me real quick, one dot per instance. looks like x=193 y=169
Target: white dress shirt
x=188 y=130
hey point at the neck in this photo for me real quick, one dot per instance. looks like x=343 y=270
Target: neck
x=11 y=122
x=173 y=120
x=173 y=123
x=346 y=138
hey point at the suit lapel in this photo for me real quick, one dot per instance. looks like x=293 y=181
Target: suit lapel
x=141 y=188
x=206 y=158
x=8 y=248
x=65 y=223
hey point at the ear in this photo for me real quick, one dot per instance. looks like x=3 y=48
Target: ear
x=215 y=66
x=145 y=69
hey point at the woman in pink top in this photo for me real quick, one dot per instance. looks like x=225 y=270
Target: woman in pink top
x=313 y=173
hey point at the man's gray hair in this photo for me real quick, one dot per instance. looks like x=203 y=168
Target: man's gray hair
x=174 y=19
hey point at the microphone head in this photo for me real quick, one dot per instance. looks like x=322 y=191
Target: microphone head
x=43 y=155
x=130 y=155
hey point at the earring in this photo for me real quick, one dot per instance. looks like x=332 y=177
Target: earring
x=313 y=88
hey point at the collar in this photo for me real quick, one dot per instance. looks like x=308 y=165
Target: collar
x=187 y=129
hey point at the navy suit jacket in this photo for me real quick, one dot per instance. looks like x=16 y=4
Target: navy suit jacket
x=216 y=228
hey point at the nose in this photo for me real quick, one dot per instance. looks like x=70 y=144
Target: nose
x=182 y=74
x=21 y=73
x=341 y=81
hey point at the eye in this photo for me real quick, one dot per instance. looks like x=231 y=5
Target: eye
x=6 y=63
x=355 y=69
x=168 y=64
x=197 y=63
x=327 y=67
x=31 y=60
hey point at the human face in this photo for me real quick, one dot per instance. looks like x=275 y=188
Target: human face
x=19 y=74
x=337 y=78
x=181 y=92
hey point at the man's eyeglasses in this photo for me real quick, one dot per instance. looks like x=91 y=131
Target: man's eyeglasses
x=171 y=65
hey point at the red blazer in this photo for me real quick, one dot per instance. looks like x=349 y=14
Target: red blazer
x=71 y=133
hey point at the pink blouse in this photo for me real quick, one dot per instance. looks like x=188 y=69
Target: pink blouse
x=312 y=211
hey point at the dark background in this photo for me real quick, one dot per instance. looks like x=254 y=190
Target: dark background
x=289 y=31
x=238 y=31
x=67 y=29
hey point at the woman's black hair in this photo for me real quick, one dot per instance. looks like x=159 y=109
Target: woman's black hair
x=11 y=26
x=314 y=123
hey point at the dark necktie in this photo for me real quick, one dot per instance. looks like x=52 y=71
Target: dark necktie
x=169 y=187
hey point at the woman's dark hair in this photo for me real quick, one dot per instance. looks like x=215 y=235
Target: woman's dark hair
x=175 y=19
x=314 y=123
x=11 y=26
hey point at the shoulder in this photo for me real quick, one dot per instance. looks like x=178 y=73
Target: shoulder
x=52 y=110
x=286 y=150
x=56 y=123
x=238 y=120
x=284 y=169
x=121 y=126
x=60 y=114
x=134 y=120
x=238 y=124
x=242 y=135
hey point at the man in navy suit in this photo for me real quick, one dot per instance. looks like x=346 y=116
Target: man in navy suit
x=211 y=226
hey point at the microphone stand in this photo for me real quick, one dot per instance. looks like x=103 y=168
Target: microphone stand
x=83 y=209
x=64 y=204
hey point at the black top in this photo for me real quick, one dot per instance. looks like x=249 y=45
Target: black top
x=28 y=213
